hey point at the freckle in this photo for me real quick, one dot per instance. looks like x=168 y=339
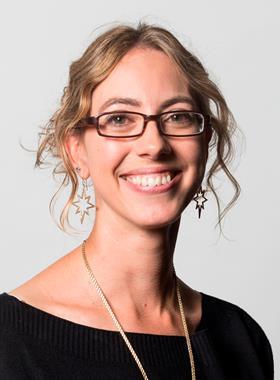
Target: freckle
x=145 y=305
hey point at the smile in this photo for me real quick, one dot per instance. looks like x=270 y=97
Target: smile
x=152 y=182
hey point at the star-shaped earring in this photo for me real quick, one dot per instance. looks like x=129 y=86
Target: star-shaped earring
x=83 y=203
x=200 y=200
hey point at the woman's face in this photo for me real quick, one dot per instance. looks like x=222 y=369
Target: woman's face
x=143 y=81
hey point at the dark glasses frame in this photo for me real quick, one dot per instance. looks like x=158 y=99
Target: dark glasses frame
x=94 y=122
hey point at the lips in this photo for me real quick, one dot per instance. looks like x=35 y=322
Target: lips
x=150 y=175
x=150 y=170
x=152 y=180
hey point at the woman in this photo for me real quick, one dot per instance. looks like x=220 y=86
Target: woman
x=137 y=119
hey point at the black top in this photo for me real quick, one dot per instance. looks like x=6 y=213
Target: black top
x=228 y=344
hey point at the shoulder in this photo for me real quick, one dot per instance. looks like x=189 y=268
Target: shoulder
x=11 y=345
x=234 y=327
x=10 y=315
x=232 y=314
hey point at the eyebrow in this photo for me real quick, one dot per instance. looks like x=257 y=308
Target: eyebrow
x=137 y=103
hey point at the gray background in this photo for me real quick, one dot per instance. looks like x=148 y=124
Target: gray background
x=237 y=42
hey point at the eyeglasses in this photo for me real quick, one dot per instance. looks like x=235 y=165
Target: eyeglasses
x=125 y=124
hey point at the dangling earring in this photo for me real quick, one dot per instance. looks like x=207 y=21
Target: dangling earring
x=83 y=203
x=200 y=200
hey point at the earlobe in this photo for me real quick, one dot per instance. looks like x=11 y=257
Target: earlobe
x=72 y=147
x=75 y=153
x=207 y=139
x=209 y=133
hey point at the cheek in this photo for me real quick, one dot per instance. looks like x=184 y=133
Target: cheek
x=103 y=158
x=192 y=153
x=192 y=156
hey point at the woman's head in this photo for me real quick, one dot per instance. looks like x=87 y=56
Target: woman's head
x=150 y=65
x=124 y=170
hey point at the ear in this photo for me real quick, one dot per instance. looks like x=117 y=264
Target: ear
x=208 y=134
x=76 y=153
x=207 y=138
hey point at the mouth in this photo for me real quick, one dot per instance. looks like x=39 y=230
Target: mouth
x=152 y=182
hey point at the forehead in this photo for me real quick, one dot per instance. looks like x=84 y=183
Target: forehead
x=145 y=74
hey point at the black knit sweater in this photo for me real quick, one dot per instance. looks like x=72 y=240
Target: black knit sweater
x=228 y=344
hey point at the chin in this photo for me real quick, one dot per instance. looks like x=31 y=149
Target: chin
x=155 y=219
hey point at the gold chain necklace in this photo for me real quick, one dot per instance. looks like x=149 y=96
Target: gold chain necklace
x=119 y=327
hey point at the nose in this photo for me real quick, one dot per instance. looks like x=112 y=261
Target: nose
x=152 y=143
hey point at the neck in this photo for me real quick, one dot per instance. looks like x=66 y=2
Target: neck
x=134 y=267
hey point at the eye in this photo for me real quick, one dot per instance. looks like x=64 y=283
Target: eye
x=117 y=119
x=178 y=117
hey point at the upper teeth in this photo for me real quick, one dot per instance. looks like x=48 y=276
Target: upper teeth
x=150 y=180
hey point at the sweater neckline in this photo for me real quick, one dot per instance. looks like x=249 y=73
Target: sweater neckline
x=36 y=312
x=56 y=334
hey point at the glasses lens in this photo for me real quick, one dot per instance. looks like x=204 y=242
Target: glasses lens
x=182 y=123
x=121 y=124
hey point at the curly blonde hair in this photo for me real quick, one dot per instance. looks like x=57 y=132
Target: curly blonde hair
x=99 y=59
